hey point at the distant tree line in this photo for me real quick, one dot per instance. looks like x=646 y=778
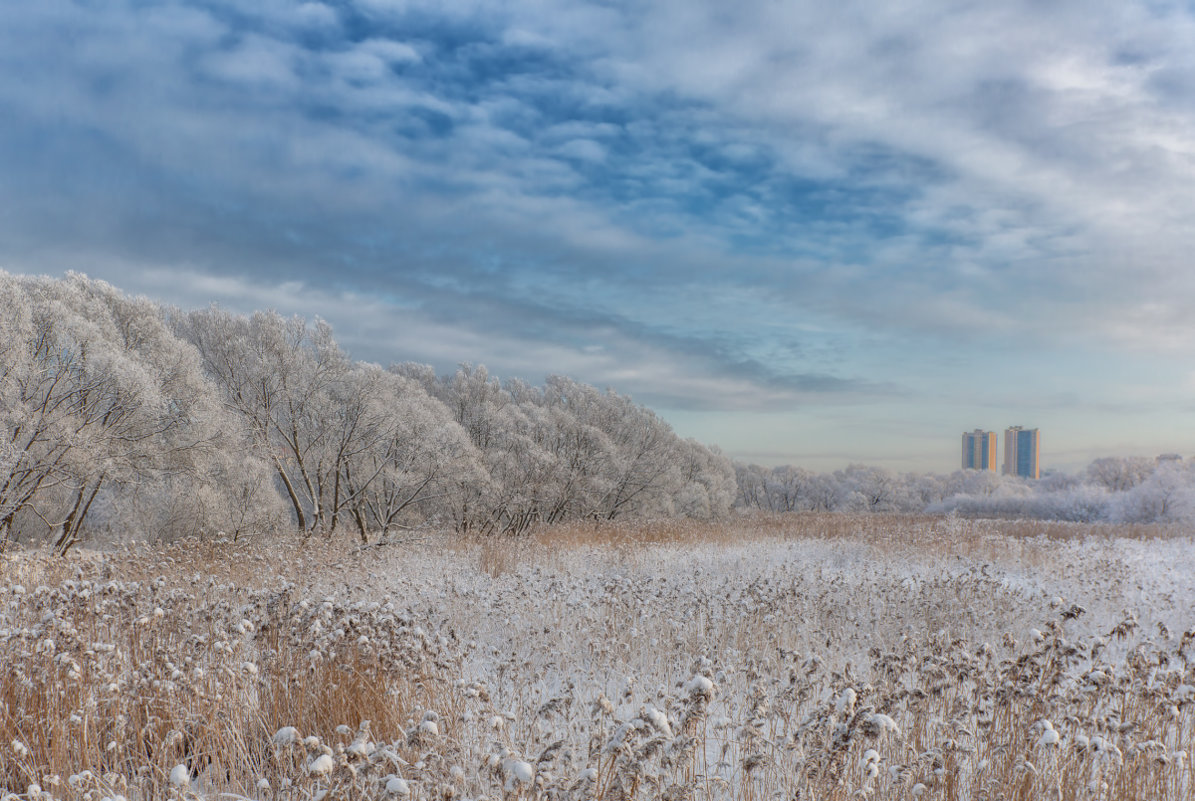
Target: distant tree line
x=1113 y=489
x=119 y=415
x=124 y=417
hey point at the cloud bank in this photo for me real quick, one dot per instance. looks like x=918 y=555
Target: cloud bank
x=787 y=207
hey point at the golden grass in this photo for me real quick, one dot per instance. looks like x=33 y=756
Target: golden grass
x=118 y=667
x=128 y=677
x=912 y=529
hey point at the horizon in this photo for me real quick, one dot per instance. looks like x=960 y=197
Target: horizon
x=807 y=235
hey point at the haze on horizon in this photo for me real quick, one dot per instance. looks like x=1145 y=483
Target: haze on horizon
x=809 y=234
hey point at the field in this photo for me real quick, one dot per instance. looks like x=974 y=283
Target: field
x=819 y=657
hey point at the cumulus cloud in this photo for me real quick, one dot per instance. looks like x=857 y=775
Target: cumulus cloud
x=316 y=15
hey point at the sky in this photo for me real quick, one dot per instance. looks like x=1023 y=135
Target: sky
x=810 y=233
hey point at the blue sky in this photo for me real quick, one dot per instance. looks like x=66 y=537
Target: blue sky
x=810 y=233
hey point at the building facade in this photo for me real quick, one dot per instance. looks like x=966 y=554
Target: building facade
x=979 y=450
x=1022 y=452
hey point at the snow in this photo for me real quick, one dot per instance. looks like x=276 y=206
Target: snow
x=1048 y=735
x=397 y=786
x=636 y=638
x=884 y=723
x=845 y=704
x=517 y=772
x=286 y=736
x=321 y=765
x=657 y=719
x=359 y=749
x=180 y=776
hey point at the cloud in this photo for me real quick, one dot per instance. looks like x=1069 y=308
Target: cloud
x=582 y=149
x=316 y=15
x=256 y=62
x=423 y=324
x=785 y=201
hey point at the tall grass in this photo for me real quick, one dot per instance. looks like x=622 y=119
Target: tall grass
x=803 y=656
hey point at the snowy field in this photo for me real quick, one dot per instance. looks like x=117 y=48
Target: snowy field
x=809 y=657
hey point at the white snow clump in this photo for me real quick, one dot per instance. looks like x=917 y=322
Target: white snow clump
x=287 y=735
x=180 y=776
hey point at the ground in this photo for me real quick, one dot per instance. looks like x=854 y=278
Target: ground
x=790 y=656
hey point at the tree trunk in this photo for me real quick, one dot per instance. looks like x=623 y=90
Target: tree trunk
x=294 y=496
x=361 y=527
x=73 y=523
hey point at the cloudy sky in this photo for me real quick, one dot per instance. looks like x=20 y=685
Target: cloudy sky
x=812 y=233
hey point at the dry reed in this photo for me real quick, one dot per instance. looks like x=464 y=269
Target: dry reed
x=804 y=656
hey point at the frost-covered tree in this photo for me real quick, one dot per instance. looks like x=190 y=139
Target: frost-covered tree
x=708 y=481
x=416 y=463
x=1119 y=474
x=783 y=489
x=824 y=493
x=872 y=489
x=281 y=375
x=752 y=486
x=99 y=400
x=514 y=464
x=569 y=451
x=790 y=489
x=645 y=475
x=1166 y=495
x=562 y=419
x=1111 y=489
x=923 y=489
x=983 y=483
x=353 y=426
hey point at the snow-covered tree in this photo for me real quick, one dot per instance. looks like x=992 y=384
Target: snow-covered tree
x=791 y=489
x=281 y=375
x=708 y=477
x=568 y=451
x=1166 y=495
x=416 y=459
x=1112 y=489
x=99 y=399
x=875 y=489
x=1120 y=474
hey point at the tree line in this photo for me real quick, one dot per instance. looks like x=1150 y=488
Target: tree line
x=124 y=417
x=1111 y=489
x=121 y=416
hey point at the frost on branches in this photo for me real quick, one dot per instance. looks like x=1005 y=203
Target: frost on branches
x=122 y=417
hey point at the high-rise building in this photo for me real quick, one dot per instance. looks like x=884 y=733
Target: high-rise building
x=1022 y=452
x=979 y=450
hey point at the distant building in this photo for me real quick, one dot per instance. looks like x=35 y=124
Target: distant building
x=1022 y=452
x=979 y=450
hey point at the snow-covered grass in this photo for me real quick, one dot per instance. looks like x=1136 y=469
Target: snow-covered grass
x=814 y=657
